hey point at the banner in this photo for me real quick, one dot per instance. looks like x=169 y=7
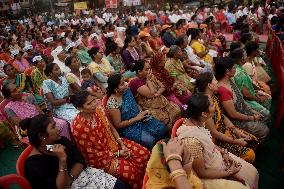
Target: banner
x=111 y=4
x=80 y=6
x=131 y=2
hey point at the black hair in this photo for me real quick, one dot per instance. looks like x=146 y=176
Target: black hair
x=202 y=81
x=68 y=60
x=180 y=40
x=245 y=38
x=198 y=103
x=113 y=82
x=93 y=52
x=251 y=47
x=127 y=40
x=274 y=20
x=5 y=91
x=237 y=54
x=5 y=67
x=222 y=64
x=194 y=32
x=79 y=99
x=48 y=69
x=35 y=127
x=111 y=48
x=86 y=71
x=235 y=45
x=138 y=66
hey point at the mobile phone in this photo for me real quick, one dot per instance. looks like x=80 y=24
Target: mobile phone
x=49 y=148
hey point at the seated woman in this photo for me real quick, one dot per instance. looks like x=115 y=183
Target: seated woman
x=199 y=49
x=254 y=66
x=226 y=135
x=56 y=163
x=100 y=67
x=130 y=53
x=175 y=68
x=56 y=92
x=101 y=144
x=210 y=161
x=19 y=79
x=241 y=115
x=38 y=76
x=19 y=63
x=22 y=106
x=174 y=91
x=256 y=98
x=74 y=76
x=147 y=91
x=131 y=123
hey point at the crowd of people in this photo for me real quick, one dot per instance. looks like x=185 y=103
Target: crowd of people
x=105 y=91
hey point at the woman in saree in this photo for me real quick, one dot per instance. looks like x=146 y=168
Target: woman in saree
x=254 y=66
x=38 y=76
x=241 y=115
x=101 y=144
x=19 y=79
x=100 y=67
x=175 y=68
x=254 y=96
x=56 y=91
x=6 y=134
x=174 y=91
x=226 y=135
x=22 y=106
x=199 y=49
x=148 y=92
x=125 y=115
x=61 y=165
x=74 y=76
x=20 y=63
x=210 y=161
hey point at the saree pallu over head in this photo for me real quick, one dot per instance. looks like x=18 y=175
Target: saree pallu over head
x=159 y=173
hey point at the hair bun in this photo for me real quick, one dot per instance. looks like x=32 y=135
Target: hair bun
x=24 y=127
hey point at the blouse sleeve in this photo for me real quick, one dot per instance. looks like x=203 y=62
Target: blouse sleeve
x=197 y=47
x=70 y=79
x=127 y=59
x=112 y=103
x=224 y=94
x=249 y=69
x=195 y=147
x=135 y=84
x=46 y=87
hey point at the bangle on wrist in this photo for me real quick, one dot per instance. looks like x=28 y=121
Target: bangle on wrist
x=174 y=157
x=177 y=173
x=118 y=139
x=73 y=178
x=129 y=122
x=62 y=170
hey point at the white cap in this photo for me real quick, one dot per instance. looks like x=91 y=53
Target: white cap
x=48 y=40
x=57 y=51
x=93 y=35
x=14 y=52
x=27 y=47
x=37 y=58
x=109 y=34
x=72 y=44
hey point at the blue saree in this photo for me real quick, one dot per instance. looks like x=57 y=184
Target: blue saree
x=146 y=133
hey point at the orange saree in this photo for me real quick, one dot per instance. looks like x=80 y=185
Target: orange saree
x=99 y=148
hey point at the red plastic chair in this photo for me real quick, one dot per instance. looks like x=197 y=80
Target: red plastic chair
x=177 y=124
x=21 y=160
x=280 y=107
x=145 y=180
x=8 y=180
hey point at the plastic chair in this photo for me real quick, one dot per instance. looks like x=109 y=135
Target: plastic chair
x=177 y=124
x=8 y=180
x=145 y=180
x=21 y=160
x=280 y=107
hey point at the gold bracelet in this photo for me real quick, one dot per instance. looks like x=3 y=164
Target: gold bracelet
x=129 y=122
x=118 y=154
x=174 y=157
x=178 y=175
x=177 y=172
x=62 y=170
x=118 y=139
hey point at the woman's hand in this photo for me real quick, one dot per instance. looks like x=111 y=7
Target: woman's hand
x=124 y=152
x=174 y=146
x=141 y=115
x=241 y=142
x=235 y=168
x=59 y=151
x=149 y=75
x=257 y=117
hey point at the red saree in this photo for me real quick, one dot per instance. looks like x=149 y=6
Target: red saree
x=99 y=148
